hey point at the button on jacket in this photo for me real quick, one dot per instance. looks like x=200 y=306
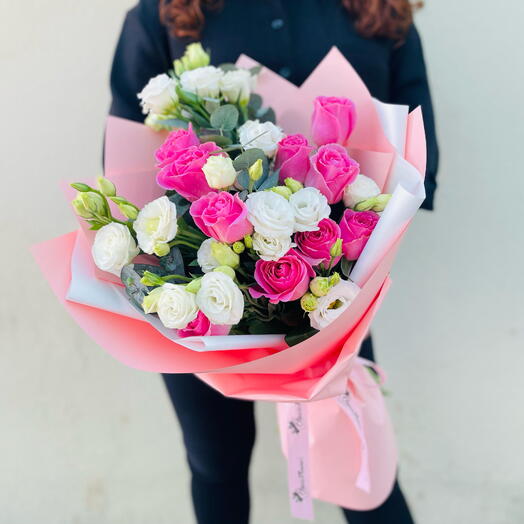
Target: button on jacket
x=288 y=36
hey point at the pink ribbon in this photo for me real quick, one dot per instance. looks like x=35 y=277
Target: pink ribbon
x=352 y=405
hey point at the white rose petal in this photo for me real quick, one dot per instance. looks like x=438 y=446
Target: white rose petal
x=158 y=95
x=176 y=307
x=271 y=214
x=236 y=85
x=219 y=171
x=361 y=189
x=271 y=248
x=220 y=299
x=113 y=248
x=203 y=81
x=205 y=258
x=156 y=224
x=309 y=206
x=332 y=305
x=261 y=135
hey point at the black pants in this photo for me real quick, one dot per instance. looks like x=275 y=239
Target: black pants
x=219 y=458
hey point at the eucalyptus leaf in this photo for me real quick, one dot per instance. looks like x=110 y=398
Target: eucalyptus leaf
x=267 y=114
x=243 y=195
x=182 y=205
x=255 y=70
x=227 y=66
x=219 y=140
x=255 y=102
x=136 y=291
x=225 y=117
x=243 y=179
x=170 y=123
x=346 y=266
x=173 y=262
x=267 y=182
x=296 y=337
x=248 y=158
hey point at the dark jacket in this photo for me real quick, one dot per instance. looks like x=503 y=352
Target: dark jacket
x=288 y=36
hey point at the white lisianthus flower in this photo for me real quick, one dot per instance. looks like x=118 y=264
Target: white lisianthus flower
x=271 y=214
x=205 y=258
x=156 y=224
x=219 y=171
x=220 y=299
x=271 y=248
x=309 y=206
x=236 y=86
x=113 y=248
x=332 y=305
x=262 y=135
x=361 y=189
x=176 y=307
x=158 y=95
x=203 y=81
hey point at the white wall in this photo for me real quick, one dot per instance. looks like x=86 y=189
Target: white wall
x=84 y=439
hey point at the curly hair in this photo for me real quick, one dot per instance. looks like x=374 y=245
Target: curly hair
x=373 y=18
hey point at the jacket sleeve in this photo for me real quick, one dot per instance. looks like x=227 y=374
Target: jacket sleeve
x=409 y=86
x=141 y=53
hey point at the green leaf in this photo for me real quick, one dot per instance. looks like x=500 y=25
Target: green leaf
x=267 y=114
x=186 y=97
x=83 y=188
x=294 y=338
x=243 y=179
x=248 y=158
x=269 y=181
x=227 y=66
x=182 y=205
x=171 y=123
x=225 y=117
x=257 y=327
x=346 y=266
x=255 y=70
x=255 y=102
x=173 y=263
x=130 y=276
x=219 y=140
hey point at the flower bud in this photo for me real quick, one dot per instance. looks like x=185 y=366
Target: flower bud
x=194 y=285
x=309 y=302
x=229 y=271
x=334 y=279
x=376 y=204
x=336 y=248
x=256 y=170
x=224 y=255
x=293 y=185
x=239 y=247
x=248 y=241
x=319 y=286
x=161 y=250
x=80 y=208
x=81 y=187
x=150 y=302
x=195 y=57
x=106 y=186
x=282 y=191
x=94 y=203
x=129 y=211
x=151 y=279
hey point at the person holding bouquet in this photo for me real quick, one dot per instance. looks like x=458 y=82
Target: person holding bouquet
x=379 y=39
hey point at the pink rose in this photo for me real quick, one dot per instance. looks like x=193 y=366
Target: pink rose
x=333 y=120
x=356 y=228
x=285 y=280
x=199 y=327
x=332 y=169
x=184 y=172
x=315 y=246
x=175 y=142
x=293 y=157
x=222 y=216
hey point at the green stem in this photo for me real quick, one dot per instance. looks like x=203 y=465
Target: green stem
x=177 y=277
x=183 y=243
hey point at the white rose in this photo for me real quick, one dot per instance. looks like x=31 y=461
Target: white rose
x=261 y=135
x=204 y=81
x=176 y=307
x=361 y=189
x=219 y=171
x=205 y=258
x=271 y=248
x=271 y=214
x=158 y=95
x=309 y=206
x=113 y=248
x=332 y=305
x=156 y=224
x=220 y=299
x=236 y=86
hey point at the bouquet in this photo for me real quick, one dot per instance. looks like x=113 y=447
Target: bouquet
x=252 y=245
